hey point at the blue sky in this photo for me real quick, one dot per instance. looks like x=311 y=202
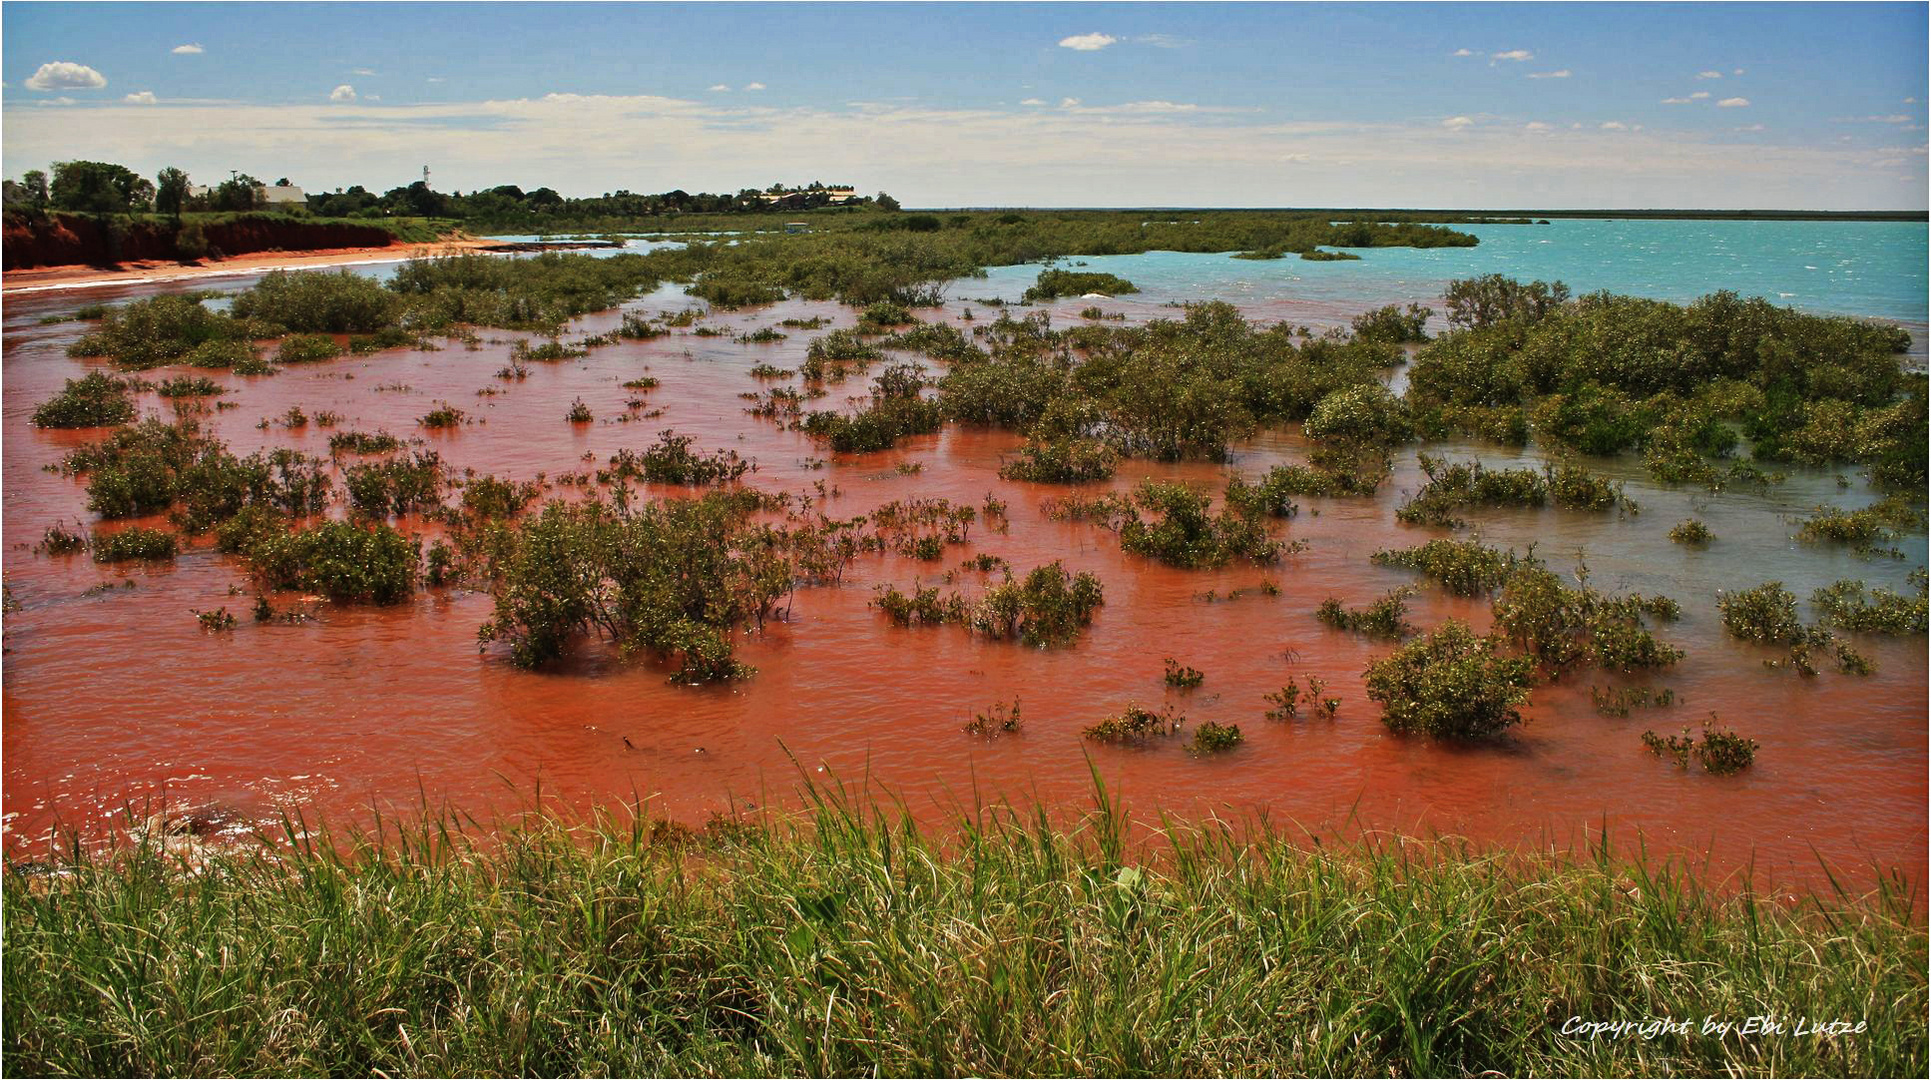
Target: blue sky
x=1718 y=105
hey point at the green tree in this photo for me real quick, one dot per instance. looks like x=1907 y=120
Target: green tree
x=97 y=187
x=170 y=192
x=238 y=193
x=886 y=202
x=35 y=181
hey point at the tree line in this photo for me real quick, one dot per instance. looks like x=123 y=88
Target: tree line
x=104 y=188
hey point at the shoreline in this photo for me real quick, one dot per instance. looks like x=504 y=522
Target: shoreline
x=58 y=278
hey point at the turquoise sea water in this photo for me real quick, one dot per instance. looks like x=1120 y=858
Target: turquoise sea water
x=1872 y=269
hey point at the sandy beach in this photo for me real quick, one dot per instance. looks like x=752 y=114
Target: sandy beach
x=47 y=278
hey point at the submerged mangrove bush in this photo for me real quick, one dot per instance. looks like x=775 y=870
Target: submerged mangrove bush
x=1451 y=684
x=676 y=579
x=96 y=399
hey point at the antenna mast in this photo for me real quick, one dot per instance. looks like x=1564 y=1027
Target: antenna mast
x=425 y=176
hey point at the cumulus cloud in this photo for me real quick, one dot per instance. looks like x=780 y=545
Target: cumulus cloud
x=145 y=97
x=1614 y=125
x=345 y=92
x=1069 y=103
x=1709 y=74
x=1457 y=123
x=1733 y=103
x=362 y=71
x=1699 y=95
x=1032 y=101
x=1514 y=54
x=1463 y=52
x=1535 y=125
x=1088 y=42
x=1676 y=101
x=754 y=86
x=1563 y=74
x=719 y=88
x=66 y=75
x=187 y=50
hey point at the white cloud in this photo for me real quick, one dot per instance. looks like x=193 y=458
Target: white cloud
x=1733 y=103
x=1457 y=123
x=1676 y=101
x=372 y=97
x=1709 y=74
x=1614 y=125
x=1750 y=127
x=1463 y=52
x=1044 y=157
x=1699 y=95
x=1893 y=118
x=437 y=78
x=1738 y=71
x=1563 y=74
x=66 y=75
x=754 y=86
x=1069 y=103
x=145 y=97
x=1535 y=125
x=1032 y=101
x=1088 y=42
x=187 y=50
x=345 y=92
x=1163 y=41
x=1910 y=101
x=362 y=71
x=719 y=88
x=1514 y=54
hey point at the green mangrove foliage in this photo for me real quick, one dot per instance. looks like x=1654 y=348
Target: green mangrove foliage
x=897 y=411
x=1847 y=605
x=135 y=544
x=1393 y=324
x=1720 y=752
x=1135 y=726
x=96 y=399
x=1767 y=614
x=1053 y=284
x=344 y=561
x=1463 y=567
x=1561 y=627
x=153 y=466
x=1682 y=383
x=1063 y=461
x=1167 y=390
x=676 y=579
x=1049 y=606
x=1386 y=618
x=671 y=460
x=1182 y=533
x=1451 y=684
x=1456 y=486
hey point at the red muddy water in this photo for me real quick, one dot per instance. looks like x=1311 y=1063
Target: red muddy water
x=120 y=696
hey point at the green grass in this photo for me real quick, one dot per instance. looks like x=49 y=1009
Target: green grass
x=848 y=941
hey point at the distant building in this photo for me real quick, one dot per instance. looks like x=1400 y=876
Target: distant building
x=280 y=195
x=809 y=199
x=797 y=226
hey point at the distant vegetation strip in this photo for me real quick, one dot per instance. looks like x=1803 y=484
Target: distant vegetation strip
x=850 y=941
